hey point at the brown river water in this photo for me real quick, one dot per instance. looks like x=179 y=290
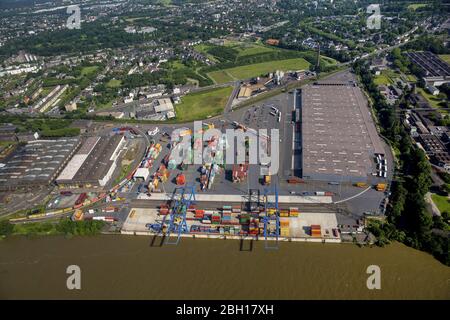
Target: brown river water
x=127 y=267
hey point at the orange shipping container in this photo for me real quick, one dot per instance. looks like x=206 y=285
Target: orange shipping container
x=284 y=223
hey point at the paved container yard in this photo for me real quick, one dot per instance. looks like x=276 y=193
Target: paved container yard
x=139 y=222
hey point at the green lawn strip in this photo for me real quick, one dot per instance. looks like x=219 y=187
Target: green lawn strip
x=445 y=57
x=114 y=83
x=416 y=6
x=442 y=202
x=434 y=101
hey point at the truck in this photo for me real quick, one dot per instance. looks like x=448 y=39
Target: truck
x=295 y=180
x=81 y=199
x=361 y=184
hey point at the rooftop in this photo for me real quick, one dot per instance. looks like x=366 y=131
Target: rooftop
x=37 y=162
x=338 y=134
x=94 y=161
x=430 y=63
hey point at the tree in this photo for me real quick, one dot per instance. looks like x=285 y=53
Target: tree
x=6 y=228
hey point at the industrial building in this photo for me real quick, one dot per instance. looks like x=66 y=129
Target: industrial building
x=36 y=163
x=339 y=138
x=436 y=70
x=94 y=164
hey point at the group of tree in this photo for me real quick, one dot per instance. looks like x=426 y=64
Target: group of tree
x=407 y=217
x=64 y=226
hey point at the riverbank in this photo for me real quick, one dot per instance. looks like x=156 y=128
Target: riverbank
x=127 y=267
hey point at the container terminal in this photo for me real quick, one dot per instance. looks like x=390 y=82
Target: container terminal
x=334 y=172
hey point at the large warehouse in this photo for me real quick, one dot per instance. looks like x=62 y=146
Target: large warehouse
x=94 y=164
x=36 y=163
x=339 y=138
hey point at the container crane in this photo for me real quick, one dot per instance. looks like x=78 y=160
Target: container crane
x=183 y=197
x=271 y=217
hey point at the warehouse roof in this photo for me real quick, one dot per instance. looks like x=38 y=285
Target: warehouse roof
x=338 y=134
x=77 y=161
x=97 y=163
x=430 y=63
x=164 y=105
x=37 y=162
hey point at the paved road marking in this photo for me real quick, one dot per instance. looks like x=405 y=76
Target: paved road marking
x=356 y=195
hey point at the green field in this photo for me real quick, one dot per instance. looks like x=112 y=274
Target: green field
x=88 y=70
x=249 y=49
x=114 y=83
x=382 y=80
x=387 y=77
x=254 y=70
x=328 y=61
x=244 y=49
x=445 y=57
x=416 y=6
x=433 y=100
x=202 y=105
x=442 y=202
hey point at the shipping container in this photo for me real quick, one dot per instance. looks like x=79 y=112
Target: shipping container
x=82 y=197
x=284 y=232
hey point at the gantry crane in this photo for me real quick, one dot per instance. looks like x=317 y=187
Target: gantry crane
x=182 y=199
x=272 y=219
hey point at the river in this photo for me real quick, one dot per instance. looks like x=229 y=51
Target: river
x=127 y=267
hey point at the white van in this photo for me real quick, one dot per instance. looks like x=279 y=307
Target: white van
x=153 y=132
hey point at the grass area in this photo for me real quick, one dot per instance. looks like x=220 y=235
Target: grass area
x=442 y=202
x=244 y=49
x=328 y=61
x=102 y=106
x=411 y=77
x=177 y=64
x=88 y=70
x=114 y=83
x=433 y=100
x=125 y=169
x=202 y=105
x=388 y=76
x=5 y=144
x=221 y=76
x=249 y=49
x=254 y=70
x=382 y=80
x=203 y=48
x=416 y=6
x=445 y=57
